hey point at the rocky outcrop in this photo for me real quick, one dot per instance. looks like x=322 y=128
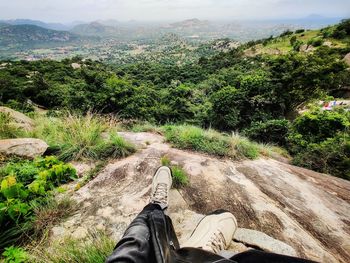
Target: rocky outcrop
x=18 y=119
x=347 y=59
x=302 y=212
x=27 y=147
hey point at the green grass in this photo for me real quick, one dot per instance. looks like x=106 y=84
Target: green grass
x=7 y=129
x=95 y=249
x=212 y=142
x=74 y=137
x=179 y=176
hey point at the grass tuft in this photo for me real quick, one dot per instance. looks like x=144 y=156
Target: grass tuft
x=74 y=137
x=211 y=142
x=179 y=176
x=95 y=249
x=7 y=129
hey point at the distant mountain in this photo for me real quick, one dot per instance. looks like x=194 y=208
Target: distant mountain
x=53 y=26
x=109 y=22
x=27 y=35
x=95 y=29
x=190 y=23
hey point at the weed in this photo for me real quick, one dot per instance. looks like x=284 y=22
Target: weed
x=75 y=137
x=165 y=161
x=180 y=178
x=95 y=249
x=7 y=128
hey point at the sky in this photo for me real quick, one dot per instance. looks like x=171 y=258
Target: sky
x=169 y=10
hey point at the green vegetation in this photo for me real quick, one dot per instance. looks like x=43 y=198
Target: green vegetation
x=180 y=178
x=15 y=255
x=94 y=249
x=7 y=128
x=271 y=131
x=74 y=137
x=211 y=142
x=320 y=141
x=26 y=186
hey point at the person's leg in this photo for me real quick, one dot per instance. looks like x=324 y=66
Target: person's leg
x=136 y=244
x=252 y=256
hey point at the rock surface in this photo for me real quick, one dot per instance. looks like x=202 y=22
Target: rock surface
x=307 y=211
x=18 y=118
x=26 y=147
x=347 y=59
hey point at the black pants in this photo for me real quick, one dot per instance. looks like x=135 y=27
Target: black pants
x=151 y=238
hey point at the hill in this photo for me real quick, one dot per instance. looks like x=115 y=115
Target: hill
x=30 y=35
x=96 y=29
x=53 y=26
x=302 y=40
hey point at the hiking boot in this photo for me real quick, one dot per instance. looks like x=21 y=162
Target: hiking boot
x=161 y=186
x=214 y=232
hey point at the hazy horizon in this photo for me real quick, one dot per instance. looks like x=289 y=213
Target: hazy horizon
x=65 y=11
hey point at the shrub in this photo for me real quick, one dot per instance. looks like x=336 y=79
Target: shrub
x=297 y=45
x=317 y=126
x=23 y=191
x=76 y=137
x=15 y=255
x=298 y=31
x=292 y=40
x=331 y=156
x=316 y=42
x=286 y=33
x=272 y=131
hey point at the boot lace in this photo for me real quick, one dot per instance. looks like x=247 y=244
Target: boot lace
x=217 y=242
x=160 y=195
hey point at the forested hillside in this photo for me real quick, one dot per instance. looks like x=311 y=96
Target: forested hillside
x=258 y=96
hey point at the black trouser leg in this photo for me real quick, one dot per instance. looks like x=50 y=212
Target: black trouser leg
x=136 y=245
x=252 y=256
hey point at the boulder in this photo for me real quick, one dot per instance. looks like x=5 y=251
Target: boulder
x=26 y=147
x=76 y=65
x=306 y=48
x=258 y=239
x=18 y=118
x=347 y=59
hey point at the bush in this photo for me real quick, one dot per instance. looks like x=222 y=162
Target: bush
x=317 y=126
x=342 y=30
x=272 y=131
x=76 y=137
x=24 y=190
x=15 y=255
x=298 y=31
x=332 y=156
x=316 y=42
x=297 y=45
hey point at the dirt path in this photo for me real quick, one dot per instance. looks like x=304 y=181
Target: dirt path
x=306 y=210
